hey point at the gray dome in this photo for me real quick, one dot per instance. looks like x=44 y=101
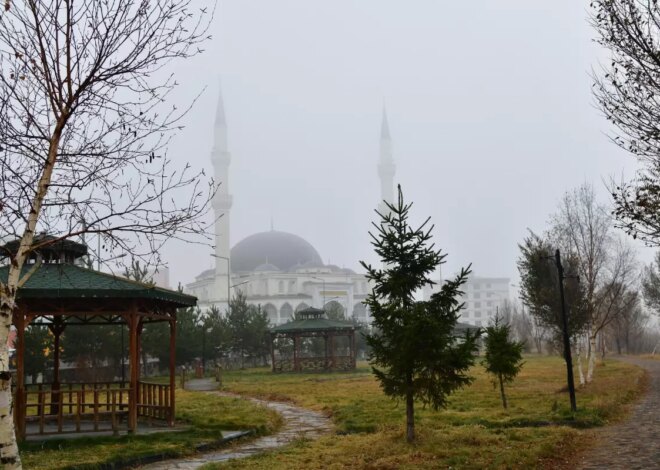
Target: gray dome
x=280 y=249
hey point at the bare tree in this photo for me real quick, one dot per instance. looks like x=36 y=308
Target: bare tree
x=628 y=93
x=606 y=265
x=84 y=127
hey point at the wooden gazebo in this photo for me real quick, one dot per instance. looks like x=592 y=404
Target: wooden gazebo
x=312 y=323
x=61 y=293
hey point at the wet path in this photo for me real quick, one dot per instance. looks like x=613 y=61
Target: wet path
x=634 y=443
x=298 y=423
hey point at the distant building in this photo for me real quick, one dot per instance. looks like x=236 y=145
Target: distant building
x=483 y=297
x=161 y=277
x=280 y=271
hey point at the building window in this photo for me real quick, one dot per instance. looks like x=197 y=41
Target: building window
x=487 y=286
x=489 y=304
x=477 y=305
x=271 y=311
x=286 y=313
x=477 y=314
x=477 y=295
x=280 y=287
x=477 y=323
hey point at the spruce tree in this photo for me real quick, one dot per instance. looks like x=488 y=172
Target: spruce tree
x=503 y=359
x=415 y=353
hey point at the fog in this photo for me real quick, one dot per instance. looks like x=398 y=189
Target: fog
x=489 y=105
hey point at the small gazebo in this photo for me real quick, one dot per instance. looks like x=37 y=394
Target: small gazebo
x=312 y=324
x=60 y=293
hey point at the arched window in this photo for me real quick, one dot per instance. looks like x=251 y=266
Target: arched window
x=286 y=313
x=271 y=311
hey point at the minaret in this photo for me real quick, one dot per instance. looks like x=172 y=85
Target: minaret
x=220 y=157
x=386 y=168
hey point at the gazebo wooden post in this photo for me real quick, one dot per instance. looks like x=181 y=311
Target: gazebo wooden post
x=56 y=328
x=272 y=351
x=134 y=364
x=19 y=399
x=139 y=347
x=296 y=352
x=325 y=342
x=353 y=351
x=170 y=420
x=332 y=350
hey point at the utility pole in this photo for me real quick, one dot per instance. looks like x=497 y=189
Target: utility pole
x=566 y=337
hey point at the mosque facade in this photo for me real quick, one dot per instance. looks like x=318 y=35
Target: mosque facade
x=277 y=270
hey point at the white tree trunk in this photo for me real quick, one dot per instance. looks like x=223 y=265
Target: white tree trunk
x=578 y=350
x=592 y=356
x=9 y=457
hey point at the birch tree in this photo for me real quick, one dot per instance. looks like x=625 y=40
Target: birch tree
x=605 y=264
x=85 y=119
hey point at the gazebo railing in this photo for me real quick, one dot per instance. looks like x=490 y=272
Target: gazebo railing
x=72 y=408
x=91 y=407
x=311 y=363
x=154 y=401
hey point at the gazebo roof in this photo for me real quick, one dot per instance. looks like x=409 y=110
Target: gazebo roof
x=66 y=281
x=313 y=319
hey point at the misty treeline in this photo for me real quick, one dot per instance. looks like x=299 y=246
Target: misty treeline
x=610 y=297
x=237 y=337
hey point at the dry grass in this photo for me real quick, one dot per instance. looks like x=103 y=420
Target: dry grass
x=537 y=431
x=206 y=414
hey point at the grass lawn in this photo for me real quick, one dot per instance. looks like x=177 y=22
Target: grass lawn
x=537 y=430
x=206 y=414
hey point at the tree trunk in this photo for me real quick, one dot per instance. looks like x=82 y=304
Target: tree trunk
x=502 y=392
x=578 y=350
x=410 y=411
x=592 y=357
x=618 y=345
x=9 y=457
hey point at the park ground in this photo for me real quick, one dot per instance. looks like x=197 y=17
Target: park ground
x=537 y=431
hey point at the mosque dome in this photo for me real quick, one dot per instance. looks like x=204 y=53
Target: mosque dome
x=282 y=250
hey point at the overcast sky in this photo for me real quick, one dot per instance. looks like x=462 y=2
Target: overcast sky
x=489 y=105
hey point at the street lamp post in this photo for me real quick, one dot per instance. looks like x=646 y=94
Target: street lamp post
x=564 y=326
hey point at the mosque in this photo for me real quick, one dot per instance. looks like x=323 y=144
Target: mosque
x=280 y=271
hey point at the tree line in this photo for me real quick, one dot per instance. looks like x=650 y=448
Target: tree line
x=240 y=335
x=609 y=296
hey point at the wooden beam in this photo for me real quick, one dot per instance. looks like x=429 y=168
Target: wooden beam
x=170 y=420
x=296 y=353
x=272 y=351
x=134 y=364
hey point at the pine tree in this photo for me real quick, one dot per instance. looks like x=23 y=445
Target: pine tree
x=415 y=353
x=503 y=357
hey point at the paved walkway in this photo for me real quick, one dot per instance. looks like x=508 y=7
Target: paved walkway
x=298 y=423
x=634 y=443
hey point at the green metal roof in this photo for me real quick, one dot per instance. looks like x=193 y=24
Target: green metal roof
x=66 y=281
x=312 y=324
